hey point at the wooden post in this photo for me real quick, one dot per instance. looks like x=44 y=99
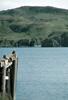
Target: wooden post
x=8 y=83
x=4 y=80
x=15 y=77
x=1 y=79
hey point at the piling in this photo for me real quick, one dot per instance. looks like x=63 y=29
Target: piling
x=8 y=73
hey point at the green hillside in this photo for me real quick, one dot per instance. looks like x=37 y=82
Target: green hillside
x=34 y=26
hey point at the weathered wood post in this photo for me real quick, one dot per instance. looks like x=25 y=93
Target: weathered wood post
x=15 y=77
x=13 y=74
x=1 y=79
x=4 y=80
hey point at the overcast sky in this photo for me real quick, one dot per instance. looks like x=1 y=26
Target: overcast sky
x=8 y=4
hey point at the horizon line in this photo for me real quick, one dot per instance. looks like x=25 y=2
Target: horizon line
x=34 y=6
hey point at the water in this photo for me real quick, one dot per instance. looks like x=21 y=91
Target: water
x=42 y=73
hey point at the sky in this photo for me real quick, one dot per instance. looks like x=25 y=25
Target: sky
x=9 y=4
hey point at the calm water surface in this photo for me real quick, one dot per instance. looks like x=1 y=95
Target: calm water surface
x=42 y=73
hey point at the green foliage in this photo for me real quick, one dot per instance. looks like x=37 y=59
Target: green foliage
x=36 y=25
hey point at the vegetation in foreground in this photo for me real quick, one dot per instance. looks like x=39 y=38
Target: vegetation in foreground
x=34 y=26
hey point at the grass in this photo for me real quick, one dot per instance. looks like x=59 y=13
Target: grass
x=33 y=22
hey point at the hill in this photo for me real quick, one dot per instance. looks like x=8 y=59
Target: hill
x=34 y=26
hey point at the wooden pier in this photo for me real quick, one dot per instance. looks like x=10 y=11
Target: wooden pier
x=8 y=71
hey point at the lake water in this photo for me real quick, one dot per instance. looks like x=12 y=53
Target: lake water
x=42 y=73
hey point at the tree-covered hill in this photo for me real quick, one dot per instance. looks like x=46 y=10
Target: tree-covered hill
x=34 y=26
